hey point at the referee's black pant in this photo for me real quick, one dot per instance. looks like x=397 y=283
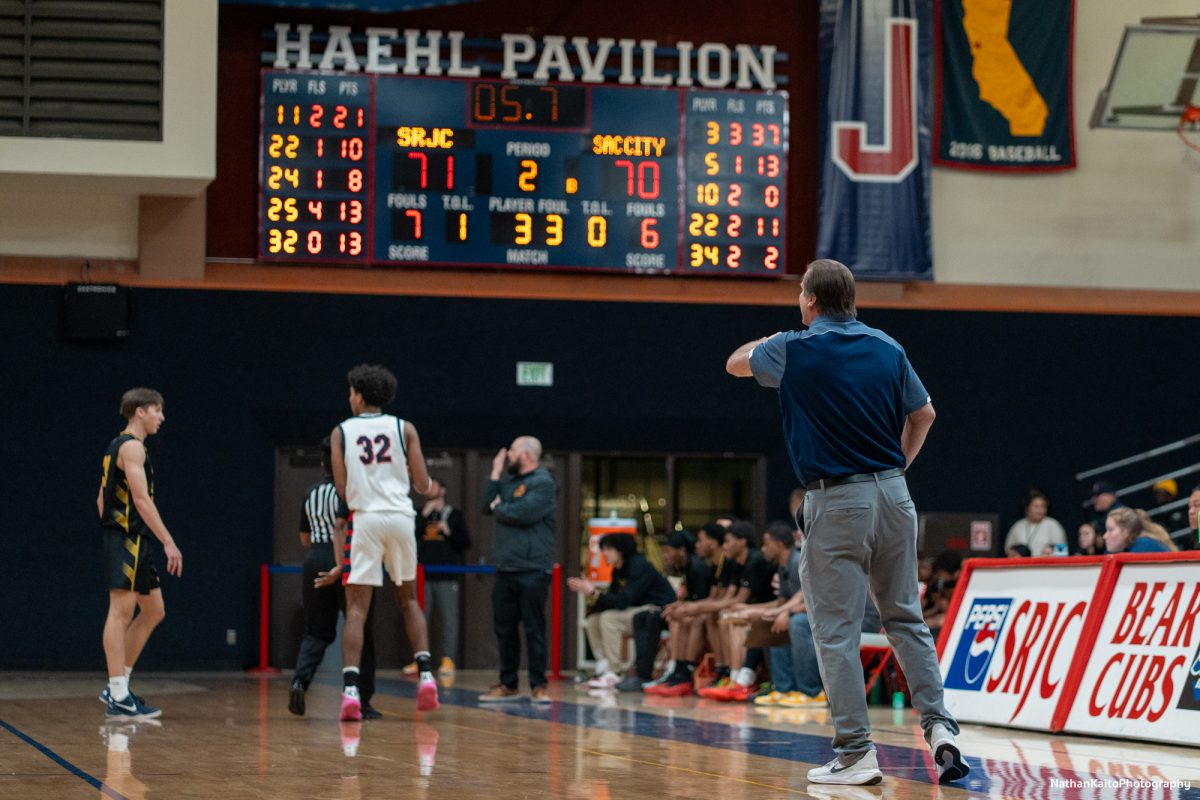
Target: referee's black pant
x=321 y=607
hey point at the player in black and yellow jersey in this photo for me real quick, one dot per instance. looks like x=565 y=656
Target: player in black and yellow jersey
x=130 y=523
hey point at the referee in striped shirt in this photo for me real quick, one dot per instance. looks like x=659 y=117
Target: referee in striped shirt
x=322 y=512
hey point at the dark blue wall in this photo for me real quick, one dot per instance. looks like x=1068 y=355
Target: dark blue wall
x=1021 y=399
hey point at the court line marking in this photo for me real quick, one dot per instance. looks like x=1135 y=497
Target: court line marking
x=721 y=776
x=96 y=783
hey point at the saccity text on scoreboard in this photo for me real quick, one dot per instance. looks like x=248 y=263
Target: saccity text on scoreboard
x=385 y=168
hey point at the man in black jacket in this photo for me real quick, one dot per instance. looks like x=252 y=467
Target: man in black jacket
x=523 y=497
x=636 y=587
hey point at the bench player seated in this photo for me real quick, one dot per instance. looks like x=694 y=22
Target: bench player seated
x=680 y=558
x=755 y=594
x=636 y=588
x=737 y=546
x=687 y=618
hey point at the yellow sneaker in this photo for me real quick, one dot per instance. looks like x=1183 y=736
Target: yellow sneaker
x=410 y=669
x=801 y=700
x=446 y=668
x=770 y=699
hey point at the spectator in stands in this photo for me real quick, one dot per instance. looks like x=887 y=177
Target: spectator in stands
x=946 y=569
x=1090 y=542
x=1164 y=492
x=1126 y=532
x=1036 y=531
x=636 y=587
x=690 y=619
x=1192 y=542
x=1104 y=500
x=1017 y=551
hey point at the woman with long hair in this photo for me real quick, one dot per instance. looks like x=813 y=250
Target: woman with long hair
x=1126 y=531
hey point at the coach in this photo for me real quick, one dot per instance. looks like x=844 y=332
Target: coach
x=855 y=415
x=523 y=497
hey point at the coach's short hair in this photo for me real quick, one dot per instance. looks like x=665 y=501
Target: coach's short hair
x=137 y=398
x=831 y=284
x=375 y=383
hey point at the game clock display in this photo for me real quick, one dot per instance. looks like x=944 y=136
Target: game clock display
x=378 y=169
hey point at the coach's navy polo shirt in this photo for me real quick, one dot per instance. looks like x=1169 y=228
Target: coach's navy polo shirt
x=845 y=390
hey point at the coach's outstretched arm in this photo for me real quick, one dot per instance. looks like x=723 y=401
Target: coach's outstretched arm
x=916 y=427
x=738 y=363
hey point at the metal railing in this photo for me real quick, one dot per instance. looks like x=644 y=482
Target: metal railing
x=1175 y=474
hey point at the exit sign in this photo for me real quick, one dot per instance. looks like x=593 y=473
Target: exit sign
x=535 y=373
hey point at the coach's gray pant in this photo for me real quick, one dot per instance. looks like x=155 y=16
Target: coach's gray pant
x=861 y=534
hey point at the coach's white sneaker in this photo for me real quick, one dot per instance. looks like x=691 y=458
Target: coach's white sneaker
x=864 y=771
x=946 y=755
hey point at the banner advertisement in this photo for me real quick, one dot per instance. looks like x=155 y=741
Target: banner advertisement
x=1143 y=676
x=875 y=113
x=1012 y=641
x=1004 y=85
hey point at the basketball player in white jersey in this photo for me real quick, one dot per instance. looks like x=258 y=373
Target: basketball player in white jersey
x=374 y=455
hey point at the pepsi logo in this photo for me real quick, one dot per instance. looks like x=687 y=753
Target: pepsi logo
x=981 y=630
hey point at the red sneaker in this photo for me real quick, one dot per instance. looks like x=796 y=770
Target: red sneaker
x=716 y=691
x=737 y=693
x=673 y=689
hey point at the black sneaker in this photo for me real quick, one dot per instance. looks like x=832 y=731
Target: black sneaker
x=370 y=712
x=631 y=684
x=296 y=698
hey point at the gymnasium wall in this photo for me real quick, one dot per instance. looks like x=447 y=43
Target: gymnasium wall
x=1021 y=399
x=1129 y=216
x=79 y=197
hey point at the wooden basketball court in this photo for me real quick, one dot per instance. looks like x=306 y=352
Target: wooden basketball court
x=228 y=736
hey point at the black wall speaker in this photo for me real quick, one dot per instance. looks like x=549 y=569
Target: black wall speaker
x=95 y=312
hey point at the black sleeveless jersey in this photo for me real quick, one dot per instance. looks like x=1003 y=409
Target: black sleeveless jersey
x=120 y=513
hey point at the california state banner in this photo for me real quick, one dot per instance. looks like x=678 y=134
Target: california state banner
x=1004 y=85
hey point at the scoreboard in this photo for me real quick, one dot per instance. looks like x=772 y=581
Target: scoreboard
x=383 y=169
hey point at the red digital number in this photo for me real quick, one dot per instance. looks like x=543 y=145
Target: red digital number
x=650 y=236
x=772 y=257
x=424 y=161
x=648 y=174
x=416 y=218
x=352 y=148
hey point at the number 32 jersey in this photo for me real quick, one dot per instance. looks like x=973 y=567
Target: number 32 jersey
x=376 y=464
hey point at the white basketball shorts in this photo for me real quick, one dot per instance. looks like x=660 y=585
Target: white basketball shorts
x=382 y=539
